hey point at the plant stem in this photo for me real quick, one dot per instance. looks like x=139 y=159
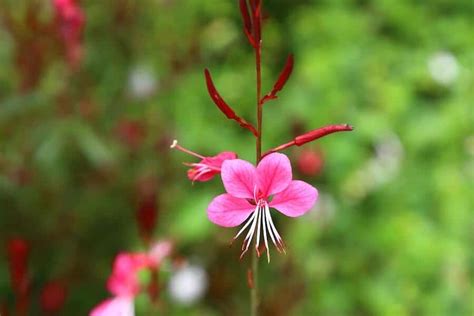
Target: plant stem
x=254 y=289
x=254 y=299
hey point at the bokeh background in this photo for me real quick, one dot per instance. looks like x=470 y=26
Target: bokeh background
x=91 y=100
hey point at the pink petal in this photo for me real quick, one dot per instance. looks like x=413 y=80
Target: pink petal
x=238 y=177
x=160 y=251
x=123 y=280
x=194 y=174
x=273 y=174
x=119 y=306
x=218 y=160
x=296 y=200
x=228 y=211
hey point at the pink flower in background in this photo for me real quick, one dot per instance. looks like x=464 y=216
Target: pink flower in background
x=123 y=282
x=208 y=167
x=71 y=20
x=117 y=306
x=159 y=251
x=252 y=191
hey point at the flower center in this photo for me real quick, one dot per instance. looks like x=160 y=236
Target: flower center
x=260 y=223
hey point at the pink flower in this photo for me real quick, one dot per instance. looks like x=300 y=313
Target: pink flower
x=252 y=191
x=208 y=167
x=159 y=251
x=71 y=20
x=123 y=282
x=117 y=306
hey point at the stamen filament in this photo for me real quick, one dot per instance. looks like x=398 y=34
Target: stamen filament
x=267 y=218
x=184 y=150
x=249 y=237
x=265 y=235
x=260 y=223
x=259 y=220
x=278 y=237
x=245 y=226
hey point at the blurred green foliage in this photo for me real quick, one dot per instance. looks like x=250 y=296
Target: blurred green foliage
x=393 y=232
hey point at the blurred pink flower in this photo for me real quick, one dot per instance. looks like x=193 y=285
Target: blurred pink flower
x=252 y=191
x=208 y=167
x=71 y=20
x=159 y=251
x=123 y=282
x=117 y=306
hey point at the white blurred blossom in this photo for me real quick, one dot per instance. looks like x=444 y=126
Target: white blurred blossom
x=142 y=82
x=443 y=68
x=325 y=209
x=188 y=284
x=383 y=167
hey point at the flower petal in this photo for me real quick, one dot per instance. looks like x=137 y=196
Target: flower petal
x=296 y=200
x=218 y=160
x=118 y=306
x=238 y=177
x=228 y=211
x=159 y=251
x=201 y=174
x=123 y=281
x=273 y=174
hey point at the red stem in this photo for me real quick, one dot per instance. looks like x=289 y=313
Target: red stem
x=253 y=274
x=258 y=51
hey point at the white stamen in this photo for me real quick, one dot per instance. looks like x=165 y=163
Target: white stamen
x=265 y=234
x=245 y=226
x=249 y=237
x=175 y=142
x=267 y=218
x=277 y=235
x=259 y=221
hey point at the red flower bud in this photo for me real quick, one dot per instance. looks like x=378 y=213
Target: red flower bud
x=320 y=132
x=53 y=296
x=312 y=135
x=310 y=162
x=18 y=252
x=146 y=215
